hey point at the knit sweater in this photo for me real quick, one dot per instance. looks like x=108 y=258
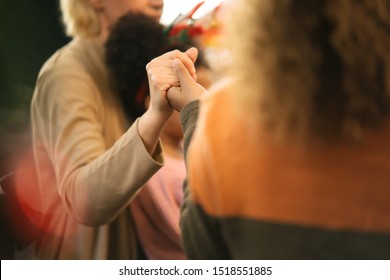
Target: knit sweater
x=249 y=196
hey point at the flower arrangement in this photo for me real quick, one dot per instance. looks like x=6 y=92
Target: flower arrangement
x=185 y=27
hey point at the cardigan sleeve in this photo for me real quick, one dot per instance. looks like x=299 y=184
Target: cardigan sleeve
x=94 y=182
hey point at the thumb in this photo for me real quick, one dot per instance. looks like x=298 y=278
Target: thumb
x=192 y=54
x=181 y=72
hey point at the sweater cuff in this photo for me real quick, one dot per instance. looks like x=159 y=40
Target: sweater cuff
x=189 y=114
x=157 y=156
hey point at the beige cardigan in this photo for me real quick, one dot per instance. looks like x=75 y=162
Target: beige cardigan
x=89 y=164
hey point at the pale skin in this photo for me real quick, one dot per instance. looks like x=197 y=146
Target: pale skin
x=188 y=89
x=172 y=135
x=160 y=71
x=174 y=82
x=161 y=78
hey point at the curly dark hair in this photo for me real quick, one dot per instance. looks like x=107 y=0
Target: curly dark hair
x=317 y=68
x=134 y=41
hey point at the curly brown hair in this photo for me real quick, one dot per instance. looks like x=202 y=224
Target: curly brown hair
x=134 y=41
x=318 y=68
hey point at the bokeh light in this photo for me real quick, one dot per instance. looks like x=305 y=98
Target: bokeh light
x=172 y=8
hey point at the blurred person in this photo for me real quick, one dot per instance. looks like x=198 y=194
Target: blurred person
x=290 y=157
x=90 y=159
x=134 y=41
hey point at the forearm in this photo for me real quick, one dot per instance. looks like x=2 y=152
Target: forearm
x=95 y=193
x=150 y=126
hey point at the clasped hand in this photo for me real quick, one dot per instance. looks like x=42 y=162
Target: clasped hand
x=172 y=80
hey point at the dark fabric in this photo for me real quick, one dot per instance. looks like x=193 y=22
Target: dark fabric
x=284 y=241
x=207 y=237
x=188 y=117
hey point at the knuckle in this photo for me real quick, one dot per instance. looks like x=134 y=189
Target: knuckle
x=148 y=67
x=176 y=53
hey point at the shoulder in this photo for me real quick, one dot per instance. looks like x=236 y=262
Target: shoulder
x=218 y=97
x=220 y=88
x=62 y=68
x=70 y=59
x=81 y=59
x=65 y=78
x=215 y=107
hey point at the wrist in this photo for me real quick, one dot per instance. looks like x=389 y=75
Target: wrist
x=157 y=117
x=150 y=126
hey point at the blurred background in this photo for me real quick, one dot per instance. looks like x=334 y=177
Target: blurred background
x=29 y=32
x=174 y=7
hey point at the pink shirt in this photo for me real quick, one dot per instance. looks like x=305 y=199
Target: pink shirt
x=156 y=211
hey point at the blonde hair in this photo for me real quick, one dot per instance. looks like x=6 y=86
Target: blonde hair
x=79 y=18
